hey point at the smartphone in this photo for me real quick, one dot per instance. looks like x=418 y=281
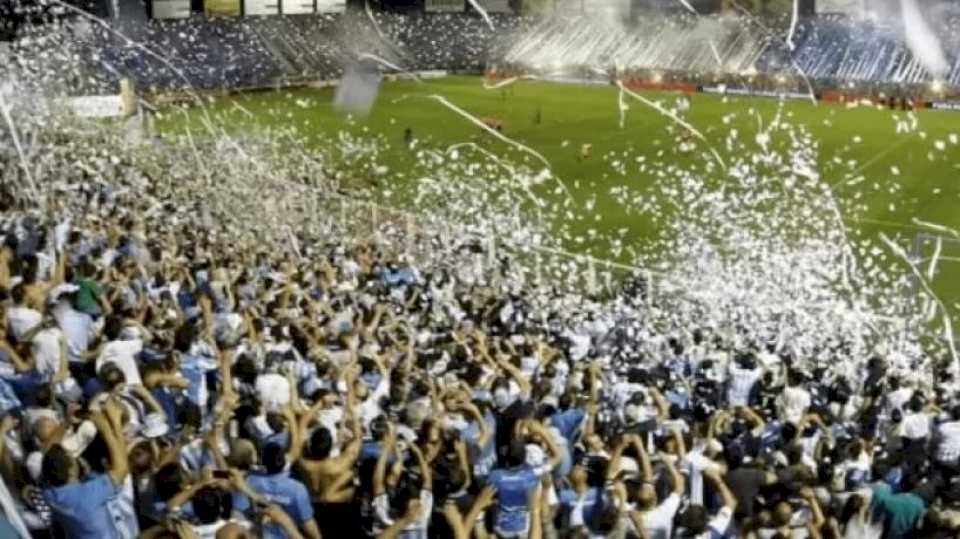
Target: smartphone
x=221 y=474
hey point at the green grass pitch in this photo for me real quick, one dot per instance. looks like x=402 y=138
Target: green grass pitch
x=924 y=164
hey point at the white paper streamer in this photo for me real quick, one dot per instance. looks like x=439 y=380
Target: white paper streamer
x=389 y=64
x=944 y=313
x=932 y=270
x=5 y=111
x=687 y=5
x=496 y=134
x=483 y=13
x=793 y=25
x=937 y=227
x=679 y=121
x=506 y=82
x=716 y=53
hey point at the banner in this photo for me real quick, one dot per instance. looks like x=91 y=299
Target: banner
x=445 y=6
x=297 y=7
x=96 y=106
x=170 y=9
x=946 y=105
x=496 y=6
x=725 y=90
x=223 y=8
x=331 y=6
x=261 y=7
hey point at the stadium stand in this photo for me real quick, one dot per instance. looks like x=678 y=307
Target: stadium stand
x=231 y=53
x=174 y=368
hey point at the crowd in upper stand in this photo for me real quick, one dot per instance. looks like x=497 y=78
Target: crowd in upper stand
x=229 y=53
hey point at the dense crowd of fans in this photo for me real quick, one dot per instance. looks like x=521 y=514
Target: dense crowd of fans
x=228 y=53
x=831 y=48
x=162 y=377
x=831 y=51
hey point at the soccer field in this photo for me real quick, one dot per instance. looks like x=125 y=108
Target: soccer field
x=898 y=176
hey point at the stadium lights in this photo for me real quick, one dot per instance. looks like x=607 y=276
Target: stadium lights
x=657 y=77
x=937 y=87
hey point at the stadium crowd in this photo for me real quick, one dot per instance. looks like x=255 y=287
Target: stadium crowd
x=230 y=53
x=162 y=377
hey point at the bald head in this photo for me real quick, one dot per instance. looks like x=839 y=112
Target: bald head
x=46 y=430
x=647 y=497
x=243 y=454
x=782 y=514
x=232 y=530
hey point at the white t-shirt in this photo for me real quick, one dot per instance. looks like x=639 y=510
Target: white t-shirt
x=381 y=506
x=741 y=382
x=209 y=531
x=273 y=391
x=46 y=351
x=123 y=355
x=21 y=320
x=658 y=522
x=78 y=441
x=915 y=426
x=896 y=399
x=370 y=407
x=78 y=328
x=579 y=345
x=794 y=403
x=695 y=464
x=949 y=448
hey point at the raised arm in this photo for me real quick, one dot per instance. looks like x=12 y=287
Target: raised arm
x=296 y=434
x=676 y=478
x=751 y=417
x=507 y=367
x=555 y=454
x=615 y=459
x=726 y=496
x=645 y=467
x=19 y=364
x=63 y=365
x=144 y=395
x=663 y=407
x=279 y=517
x=108 y=424
x=425 y=472
x=409 y=517
x=471 y=410
x=380 y=471
x=480 y=504
x=817 y=518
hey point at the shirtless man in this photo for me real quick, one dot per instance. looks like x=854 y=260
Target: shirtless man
x=330 y=478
